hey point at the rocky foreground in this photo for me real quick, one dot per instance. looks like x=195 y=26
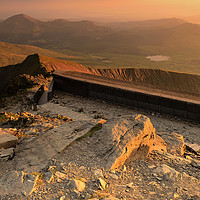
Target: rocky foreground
x=76 y=148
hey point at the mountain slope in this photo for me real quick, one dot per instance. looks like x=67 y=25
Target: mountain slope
x=11 y=54
x=22 y=28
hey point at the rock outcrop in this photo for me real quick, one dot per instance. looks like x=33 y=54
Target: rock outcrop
x=124 y=139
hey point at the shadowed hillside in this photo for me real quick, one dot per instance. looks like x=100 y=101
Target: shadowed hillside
x=34 y=65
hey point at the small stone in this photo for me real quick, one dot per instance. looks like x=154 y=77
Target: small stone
x=63 y=198
x=124 y=168
x=82 y=168
x=110 y=198
x=98 y=173
x=61 y=175
x=102 y=184
x=114 y=176
x=130 y=185
x=78 y=185
x=151 y=166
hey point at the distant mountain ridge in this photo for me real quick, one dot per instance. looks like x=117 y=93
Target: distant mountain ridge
x=86 y=36
x=22 y=28
x=148 y=24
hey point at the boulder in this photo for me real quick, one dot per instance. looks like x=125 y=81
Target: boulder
x=174 y=141
x=7 y=140
x=123 y=139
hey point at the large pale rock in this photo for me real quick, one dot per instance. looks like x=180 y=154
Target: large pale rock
x=174 y=141
x=39 y=152
x=19 y=183
x=7 y=140
x=123 y=139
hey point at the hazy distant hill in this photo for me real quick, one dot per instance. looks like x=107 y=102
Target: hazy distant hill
x=147 y=24
x=193 y=19
x=24 y=29
x=139 y=38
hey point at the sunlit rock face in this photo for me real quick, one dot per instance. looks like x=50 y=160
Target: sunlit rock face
x=124 y=139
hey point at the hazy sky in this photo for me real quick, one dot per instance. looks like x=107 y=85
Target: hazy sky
x=112 y=9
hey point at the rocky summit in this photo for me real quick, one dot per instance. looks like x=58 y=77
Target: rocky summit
x=78 y=148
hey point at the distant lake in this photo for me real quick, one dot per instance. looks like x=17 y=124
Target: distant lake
x=158 y=58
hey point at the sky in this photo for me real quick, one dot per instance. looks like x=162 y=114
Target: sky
x=120 y=10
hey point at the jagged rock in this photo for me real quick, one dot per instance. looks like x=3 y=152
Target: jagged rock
x=175 y=142
x=19 y=183
x=123 y=139
x=7 y=140
x=78 y=185
x=6 y=154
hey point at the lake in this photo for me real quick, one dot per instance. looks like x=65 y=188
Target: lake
x=158 y=58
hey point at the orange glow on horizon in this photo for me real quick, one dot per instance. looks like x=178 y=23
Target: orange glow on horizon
x=129 y=9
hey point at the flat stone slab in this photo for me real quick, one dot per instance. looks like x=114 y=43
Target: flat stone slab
x=7 y=140
x=36 y=154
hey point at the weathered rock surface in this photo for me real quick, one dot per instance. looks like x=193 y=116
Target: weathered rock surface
x=7 y=140
x=122 y=139
x=36 y=154
x=6 y=154
x=175 y=142
x=19 y=183
x=159 y=144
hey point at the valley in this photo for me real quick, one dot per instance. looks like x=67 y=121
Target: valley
x=117 y=45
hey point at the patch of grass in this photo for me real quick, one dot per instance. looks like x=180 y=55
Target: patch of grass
x=91 y=132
